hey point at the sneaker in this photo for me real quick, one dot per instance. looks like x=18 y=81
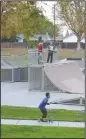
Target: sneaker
x=44 y=120
x=41 y=119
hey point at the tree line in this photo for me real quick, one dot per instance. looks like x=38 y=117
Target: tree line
x=26 y=18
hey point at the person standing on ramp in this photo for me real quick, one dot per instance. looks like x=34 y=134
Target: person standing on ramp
x=40 y=50
x=50 y=53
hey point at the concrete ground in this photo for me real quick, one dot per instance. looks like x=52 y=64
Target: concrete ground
x=36 y=123
x=17 y=94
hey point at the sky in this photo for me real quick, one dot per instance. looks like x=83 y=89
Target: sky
x=47 y=8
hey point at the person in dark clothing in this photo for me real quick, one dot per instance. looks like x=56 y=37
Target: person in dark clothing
x=50 y=53
x=42 y=106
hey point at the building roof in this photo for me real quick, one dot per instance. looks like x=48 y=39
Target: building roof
x=59 y=38
x=45 y=37
x=72 y=38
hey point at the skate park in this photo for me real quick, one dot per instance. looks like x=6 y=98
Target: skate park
x=64 y=76
x=27 y=76
x=64 y=79
x=45 y=77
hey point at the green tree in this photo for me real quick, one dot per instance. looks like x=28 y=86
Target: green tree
x=47 y=26
x=23 y=18
x=19 y=17
x=72 y=12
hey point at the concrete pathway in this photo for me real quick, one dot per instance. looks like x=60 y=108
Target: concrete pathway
x=17 y=94
x=36 y=123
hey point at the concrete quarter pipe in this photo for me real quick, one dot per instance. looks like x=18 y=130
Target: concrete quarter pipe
x=66 y=75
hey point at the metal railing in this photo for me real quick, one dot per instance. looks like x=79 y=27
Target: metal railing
x=16 y=60
x=30 y=58
x=33 y=56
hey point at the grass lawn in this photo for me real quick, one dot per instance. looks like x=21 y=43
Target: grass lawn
x=62 y=52
x=11 y=131
x=13 y=112
x=15 y=56
x=13 y=51
x=66 y=53
x=16 y=59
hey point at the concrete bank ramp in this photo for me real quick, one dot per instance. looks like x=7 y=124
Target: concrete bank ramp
x=66 y=75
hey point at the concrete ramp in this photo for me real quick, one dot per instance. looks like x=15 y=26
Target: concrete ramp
x=66 y=76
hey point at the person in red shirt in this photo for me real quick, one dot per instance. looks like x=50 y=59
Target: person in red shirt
x=40 y=47
x=40 y=50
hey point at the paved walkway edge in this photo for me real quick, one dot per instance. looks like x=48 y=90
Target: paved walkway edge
x=36 y=123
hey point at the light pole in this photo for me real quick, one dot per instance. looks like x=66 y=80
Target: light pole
x=85 y=25
x=54 y=32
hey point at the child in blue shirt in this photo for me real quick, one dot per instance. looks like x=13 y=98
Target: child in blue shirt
x=42 y=107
